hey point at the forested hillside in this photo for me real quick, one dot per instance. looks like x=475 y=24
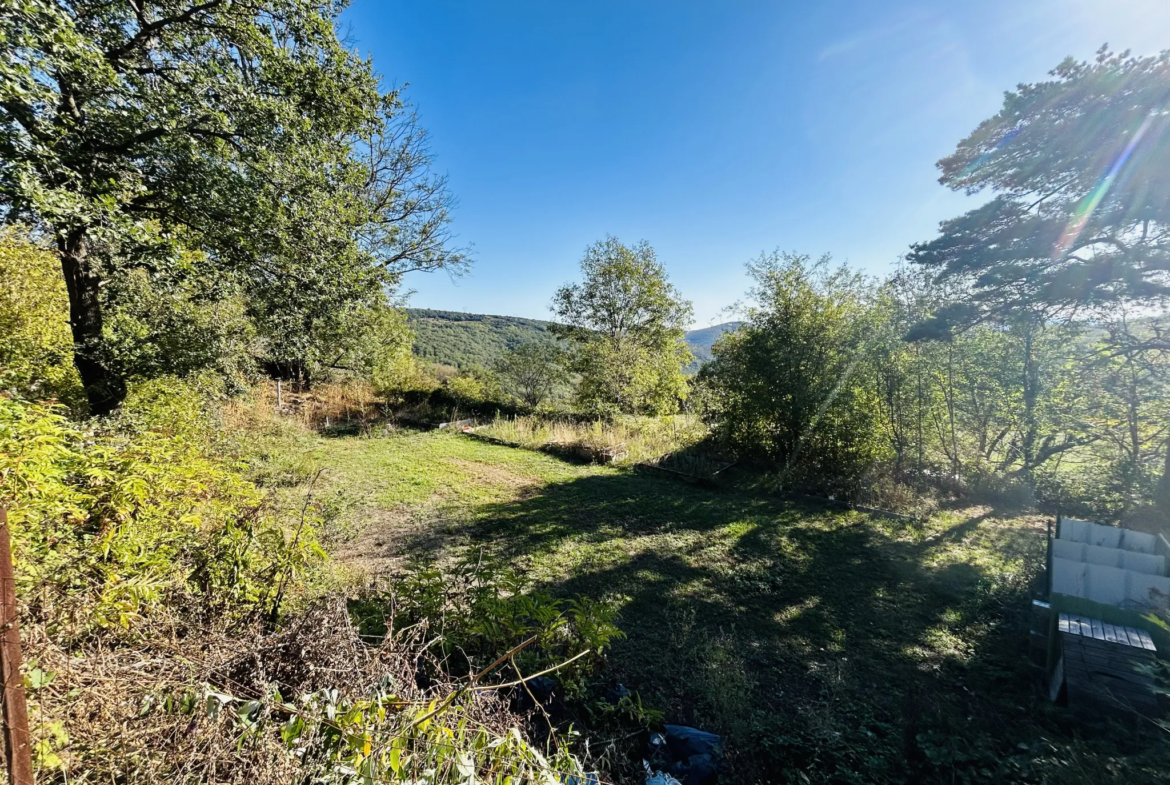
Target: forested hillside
x=702 y=340
x=466 y=340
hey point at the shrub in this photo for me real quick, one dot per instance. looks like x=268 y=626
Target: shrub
x=784 y=387
x=179 y=327
x=112 y=522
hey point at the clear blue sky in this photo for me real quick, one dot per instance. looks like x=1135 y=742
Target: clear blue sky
x=714 y=130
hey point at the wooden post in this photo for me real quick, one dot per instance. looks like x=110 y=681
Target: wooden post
x=17 y=745
x=279 y=402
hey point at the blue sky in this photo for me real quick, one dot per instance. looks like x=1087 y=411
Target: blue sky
x=714 y=130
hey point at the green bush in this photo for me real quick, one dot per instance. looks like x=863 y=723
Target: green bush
x=785 y=388
x=115 y=521
x=179 y=327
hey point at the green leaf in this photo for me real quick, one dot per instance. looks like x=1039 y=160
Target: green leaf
x=37 y=678
x=396 y=759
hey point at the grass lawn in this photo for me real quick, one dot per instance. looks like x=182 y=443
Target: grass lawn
x=828 y=646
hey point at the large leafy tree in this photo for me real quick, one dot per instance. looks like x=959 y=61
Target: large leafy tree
x=341 y=249
x=243 y=129
x=1079 y=168
x=626 y=322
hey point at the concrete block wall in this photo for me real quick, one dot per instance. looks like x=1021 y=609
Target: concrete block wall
x=1122 y=588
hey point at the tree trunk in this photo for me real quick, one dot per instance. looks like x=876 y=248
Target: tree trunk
x=1162 y=493
x=104 y=388
x=1031 y=396
x=955 y=463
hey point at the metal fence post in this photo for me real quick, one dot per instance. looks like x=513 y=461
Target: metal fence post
x=17 y=745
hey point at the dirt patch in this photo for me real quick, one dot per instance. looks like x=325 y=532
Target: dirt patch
x=388 y=539
x=494 y=474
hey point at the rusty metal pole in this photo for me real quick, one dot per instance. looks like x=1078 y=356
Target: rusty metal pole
x=17 y=745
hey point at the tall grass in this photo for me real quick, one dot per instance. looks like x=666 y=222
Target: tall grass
x=624 y=441
x=349 y=406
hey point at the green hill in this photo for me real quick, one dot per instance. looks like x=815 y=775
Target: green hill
x=468 y=339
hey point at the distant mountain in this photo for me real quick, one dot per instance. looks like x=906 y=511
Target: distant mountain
x=469 y=339
x=701 y=341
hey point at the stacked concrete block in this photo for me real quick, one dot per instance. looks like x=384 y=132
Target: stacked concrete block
x=1098 y=665
x=1109 y=565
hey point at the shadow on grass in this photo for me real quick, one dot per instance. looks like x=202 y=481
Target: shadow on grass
x=819 y=641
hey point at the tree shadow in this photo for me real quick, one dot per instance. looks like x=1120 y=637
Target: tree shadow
x=827 y=641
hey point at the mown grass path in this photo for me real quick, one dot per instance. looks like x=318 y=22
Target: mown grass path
x=854 y=647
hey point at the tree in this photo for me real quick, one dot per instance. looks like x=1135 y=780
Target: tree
x=626 y=323
x=1080 y=169
x=350 y=245
x=786 y=387
x=1128 y=382
x=533 y=372
x=242 y=130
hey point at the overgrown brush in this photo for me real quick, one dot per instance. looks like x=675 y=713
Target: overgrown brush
x=116 y=519
x=484 y=608
x=350 y=404
x=313 y=701
x=36 y=350
x=551 y=650
x=162 y=644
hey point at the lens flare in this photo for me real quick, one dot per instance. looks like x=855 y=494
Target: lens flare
x=971 y=167
x=1085 y=209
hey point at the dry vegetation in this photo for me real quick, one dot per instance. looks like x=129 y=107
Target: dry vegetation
x=315 y=699
x=204 y=636
x=623 y=441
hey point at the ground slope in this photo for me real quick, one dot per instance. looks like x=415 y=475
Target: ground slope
x=826 y=644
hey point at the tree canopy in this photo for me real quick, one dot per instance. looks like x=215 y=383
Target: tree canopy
x=1080 y=171
x=787 y=386
x=626 y=321
x=246 y=131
